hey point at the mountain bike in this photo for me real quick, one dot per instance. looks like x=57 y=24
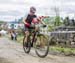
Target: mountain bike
x=39 y=42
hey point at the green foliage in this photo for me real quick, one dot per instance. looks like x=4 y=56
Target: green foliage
x=50 y=22
x=57 y=21
x=66 y=21
x=66 y=51
x=0 y=28
x=50 y=28
x=2 y=22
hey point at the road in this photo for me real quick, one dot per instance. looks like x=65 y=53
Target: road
x=12 y=52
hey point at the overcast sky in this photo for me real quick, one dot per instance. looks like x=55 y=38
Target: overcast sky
x=11 y=9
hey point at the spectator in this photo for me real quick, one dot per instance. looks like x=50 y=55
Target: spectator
x=13 y=35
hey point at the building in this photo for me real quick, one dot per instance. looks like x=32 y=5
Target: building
x=14 y=25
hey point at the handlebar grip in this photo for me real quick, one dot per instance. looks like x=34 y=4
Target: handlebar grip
x=44 y=26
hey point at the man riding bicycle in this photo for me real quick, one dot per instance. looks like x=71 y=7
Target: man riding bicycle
x=31 y=20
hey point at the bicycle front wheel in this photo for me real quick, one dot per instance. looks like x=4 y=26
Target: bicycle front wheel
x=42 y=46
x=26 y=45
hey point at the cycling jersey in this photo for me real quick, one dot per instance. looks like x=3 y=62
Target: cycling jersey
x=29 y=19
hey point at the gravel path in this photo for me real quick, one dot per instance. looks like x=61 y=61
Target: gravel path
x=12 y=52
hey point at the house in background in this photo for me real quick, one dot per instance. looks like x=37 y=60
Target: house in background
x=15 y=24
x=12 y=25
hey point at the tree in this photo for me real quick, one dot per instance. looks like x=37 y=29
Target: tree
x=57 y=17
x=66 y=21
x=57 y=21
x=2 y=22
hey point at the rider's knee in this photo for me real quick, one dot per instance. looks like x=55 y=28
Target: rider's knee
x=27 y=33
x=36 y=28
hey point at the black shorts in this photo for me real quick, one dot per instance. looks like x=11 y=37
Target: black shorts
x=28 y=28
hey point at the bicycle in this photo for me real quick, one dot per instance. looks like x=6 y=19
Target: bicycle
x=39 y=42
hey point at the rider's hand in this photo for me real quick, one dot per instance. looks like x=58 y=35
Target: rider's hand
x=44 y=25
x=27 y=24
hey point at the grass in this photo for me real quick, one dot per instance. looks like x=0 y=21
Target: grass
x=20 y=38
x=66 y=51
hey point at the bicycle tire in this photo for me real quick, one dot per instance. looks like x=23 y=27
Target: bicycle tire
x=47 y=45
x=26 y=48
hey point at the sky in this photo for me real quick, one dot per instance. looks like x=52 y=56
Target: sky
x=14 y=9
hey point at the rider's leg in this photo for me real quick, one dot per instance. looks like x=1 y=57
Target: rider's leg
x=26 y=34
x=34 y=34
x=36 y=28
x=40 y=43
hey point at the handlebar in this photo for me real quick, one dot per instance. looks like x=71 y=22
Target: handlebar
x=44 y=26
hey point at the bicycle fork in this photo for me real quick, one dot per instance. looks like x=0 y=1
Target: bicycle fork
x=34 y=38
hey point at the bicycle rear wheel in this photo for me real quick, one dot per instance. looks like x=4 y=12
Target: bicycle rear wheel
x=26 y=45
x=42 y=46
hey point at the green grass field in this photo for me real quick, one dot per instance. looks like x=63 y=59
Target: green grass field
x=64 y=50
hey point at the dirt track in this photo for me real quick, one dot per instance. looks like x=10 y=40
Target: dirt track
x=12 y=52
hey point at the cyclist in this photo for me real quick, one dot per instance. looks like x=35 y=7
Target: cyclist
x=29 y=19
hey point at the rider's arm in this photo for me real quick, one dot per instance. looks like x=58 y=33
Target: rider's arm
x=24 y=18
x=24 y=21
x=42 y=22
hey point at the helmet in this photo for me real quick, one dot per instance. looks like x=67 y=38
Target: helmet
x=32 y=9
